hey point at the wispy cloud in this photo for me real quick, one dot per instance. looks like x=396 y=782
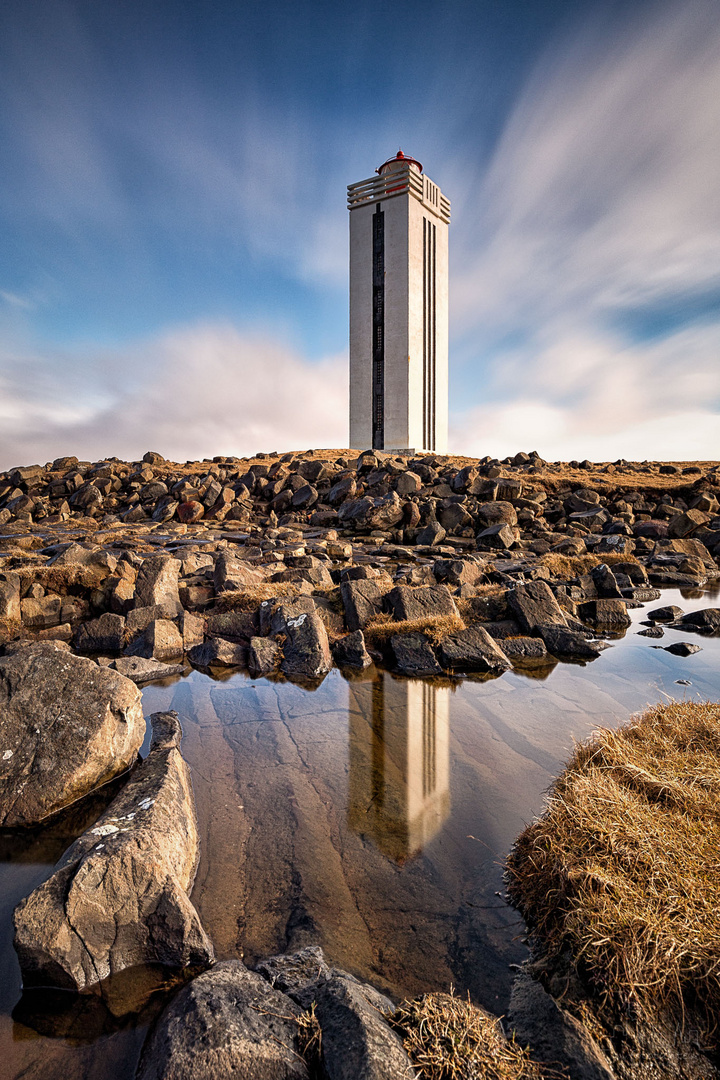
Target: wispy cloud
x=192 y=392
x=594 y=248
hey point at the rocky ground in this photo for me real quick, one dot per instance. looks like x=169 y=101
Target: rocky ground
x=443 y=564
x=113 y=574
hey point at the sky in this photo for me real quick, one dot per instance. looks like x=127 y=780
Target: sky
x=173 y=221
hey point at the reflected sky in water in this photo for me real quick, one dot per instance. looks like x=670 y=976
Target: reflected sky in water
x=370 y=815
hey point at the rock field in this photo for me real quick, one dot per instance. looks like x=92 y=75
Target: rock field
x=444 y=565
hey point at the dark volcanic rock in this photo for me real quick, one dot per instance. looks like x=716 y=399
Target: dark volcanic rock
x=105 y=634
x=362 y=600
x=218 y=651
x=562 y=642
x=141 y=670
x=293 y=971
x=263 y=656
x=157 y=581
x=533 y=605
x=608 y=614
x=524 y=648
x=67 y=726
x=706 y=621
x=306 y=651
x=350 y=651
x=555 y=1037
x=357 y=1042
x=665 y=614
x=418 y=603
x=118 y=898
x=228 y=1024
x=473 y=650
x=414 y=654
x=682 y=648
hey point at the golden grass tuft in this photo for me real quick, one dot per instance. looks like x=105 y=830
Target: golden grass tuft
x=250 y=598
x=382 y=627
x=622 y=869
x=310 y=1037
x=448 y=1038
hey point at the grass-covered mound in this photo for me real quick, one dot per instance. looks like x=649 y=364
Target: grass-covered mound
x=448 y=1038
x=622 y=870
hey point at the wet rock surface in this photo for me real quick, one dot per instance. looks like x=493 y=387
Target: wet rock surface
x=67 y=727
x=118 y=897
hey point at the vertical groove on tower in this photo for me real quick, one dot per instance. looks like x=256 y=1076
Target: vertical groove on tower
x=378 y=353
x=425 y=336
x=433 y=340
x=429 y=333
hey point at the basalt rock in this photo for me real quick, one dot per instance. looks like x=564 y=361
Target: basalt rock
x=67 y=727
x=473 y=650
x=157 y=581
x=118 y=898
x=228 y=1024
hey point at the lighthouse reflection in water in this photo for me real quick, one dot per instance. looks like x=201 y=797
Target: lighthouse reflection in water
x=399 y=793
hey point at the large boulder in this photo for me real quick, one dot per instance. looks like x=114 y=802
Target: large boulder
x=232 y=574
x=228 y=1024
x=105 y=634
x=362 y=600
x=306 y=650
x=473 y=650
x=67 y=727
x=157 y=581
x=407 y=602
x=118 y=897
x=533 y=605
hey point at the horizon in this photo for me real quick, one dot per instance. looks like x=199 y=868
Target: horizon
x=173 y=228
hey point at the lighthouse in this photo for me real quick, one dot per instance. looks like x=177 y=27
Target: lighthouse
x=398 y=310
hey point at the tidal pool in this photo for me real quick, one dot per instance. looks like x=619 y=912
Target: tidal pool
x=370 y=816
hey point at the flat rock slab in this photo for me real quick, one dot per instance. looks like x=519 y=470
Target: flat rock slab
x=228 y=1024
x=407 y=602
x=118 y=897
x=522 y=648
x=141 y=670
x=67 y=727
x=564 y=643
x=533 y=605
x=473 y=650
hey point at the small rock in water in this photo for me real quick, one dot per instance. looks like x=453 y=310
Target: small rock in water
x=652 y=631
x=682 y=648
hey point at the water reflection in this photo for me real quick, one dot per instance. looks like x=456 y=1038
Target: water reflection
x=399 y=763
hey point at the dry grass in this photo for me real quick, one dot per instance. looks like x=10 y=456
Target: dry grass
x=310 y=1038
x=569 y=566
x=250 y=598
x=435 y=627
x=447 y=1038
x=622 y=870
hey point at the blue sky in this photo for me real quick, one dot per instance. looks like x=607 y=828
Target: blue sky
x=173 y=230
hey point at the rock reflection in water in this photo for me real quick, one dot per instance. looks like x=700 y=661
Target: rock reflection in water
x=399 y=763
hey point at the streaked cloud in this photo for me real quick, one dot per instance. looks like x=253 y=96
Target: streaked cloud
x=586 y=292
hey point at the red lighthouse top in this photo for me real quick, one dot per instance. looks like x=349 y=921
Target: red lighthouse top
x=399 y=158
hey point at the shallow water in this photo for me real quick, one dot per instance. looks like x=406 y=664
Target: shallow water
x=370 y=816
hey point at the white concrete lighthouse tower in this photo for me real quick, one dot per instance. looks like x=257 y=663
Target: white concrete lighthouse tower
x=398 y=310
